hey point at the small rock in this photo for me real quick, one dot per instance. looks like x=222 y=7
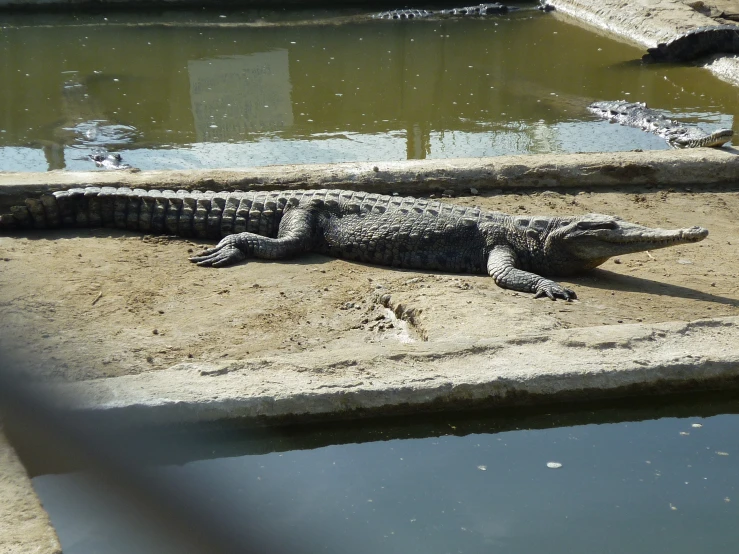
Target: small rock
x=617 y=261
x=473 y=191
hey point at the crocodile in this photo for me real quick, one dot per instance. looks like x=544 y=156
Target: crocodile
x=109 y=161
x=474 y=11
x=696 y=43
x=636 y=114
x=478 y=10
x=518 y=252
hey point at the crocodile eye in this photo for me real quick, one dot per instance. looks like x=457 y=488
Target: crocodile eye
x=593 y=225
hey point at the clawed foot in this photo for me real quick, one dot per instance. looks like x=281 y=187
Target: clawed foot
x=553 y=290
x=223 y=254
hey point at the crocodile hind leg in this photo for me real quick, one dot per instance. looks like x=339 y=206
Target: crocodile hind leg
x=296 y=234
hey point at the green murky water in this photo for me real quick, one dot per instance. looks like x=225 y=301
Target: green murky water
x=471 y=483
x=191 y=95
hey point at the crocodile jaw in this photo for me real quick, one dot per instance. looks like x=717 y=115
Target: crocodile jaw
x=595 y=238
x=714 y=140
x=628 y=238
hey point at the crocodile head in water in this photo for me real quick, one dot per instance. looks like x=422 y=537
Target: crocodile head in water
x=714 y=140
x=581 y=243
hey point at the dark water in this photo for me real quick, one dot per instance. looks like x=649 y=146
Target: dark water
x=189 y=95
x=472 y=484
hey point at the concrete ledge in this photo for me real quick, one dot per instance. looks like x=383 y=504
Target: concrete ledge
x=648 y=23
x=664 y=167
x=571 y=364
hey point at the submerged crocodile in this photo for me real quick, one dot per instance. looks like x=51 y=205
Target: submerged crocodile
x=703 y=41
x=478 y=10
x=516 y=251
x=636 y=114
x=109 y=161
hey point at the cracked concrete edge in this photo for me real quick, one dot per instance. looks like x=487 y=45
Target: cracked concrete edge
x=599 y=169
x=648 y=23
x=24 y=524
x=564 y=365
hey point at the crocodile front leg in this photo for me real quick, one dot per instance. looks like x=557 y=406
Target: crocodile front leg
x=295 y=235
x=502 y=268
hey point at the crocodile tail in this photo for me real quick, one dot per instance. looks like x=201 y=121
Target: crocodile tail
x=183 y=213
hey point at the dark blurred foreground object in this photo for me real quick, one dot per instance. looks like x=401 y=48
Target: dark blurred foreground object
x=177 y=510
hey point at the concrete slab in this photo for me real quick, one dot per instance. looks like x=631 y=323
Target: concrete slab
x=648 y=23
x=667 y=168
x=565 y=365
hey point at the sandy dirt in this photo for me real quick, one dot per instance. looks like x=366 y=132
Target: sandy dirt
x=84 y=304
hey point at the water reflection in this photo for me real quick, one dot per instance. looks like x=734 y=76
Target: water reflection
x=666 y=485
x=512 y=84
x=232 y=97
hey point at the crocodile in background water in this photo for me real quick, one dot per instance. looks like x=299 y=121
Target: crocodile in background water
x=478 y=10
x=473 y=11
x=405 y=232
x=677 y=135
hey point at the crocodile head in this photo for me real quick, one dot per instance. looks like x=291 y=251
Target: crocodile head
x=580 y=243
x=714 y=140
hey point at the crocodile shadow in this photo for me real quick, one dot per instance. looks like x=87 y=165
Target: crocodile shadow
x=608 y=280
